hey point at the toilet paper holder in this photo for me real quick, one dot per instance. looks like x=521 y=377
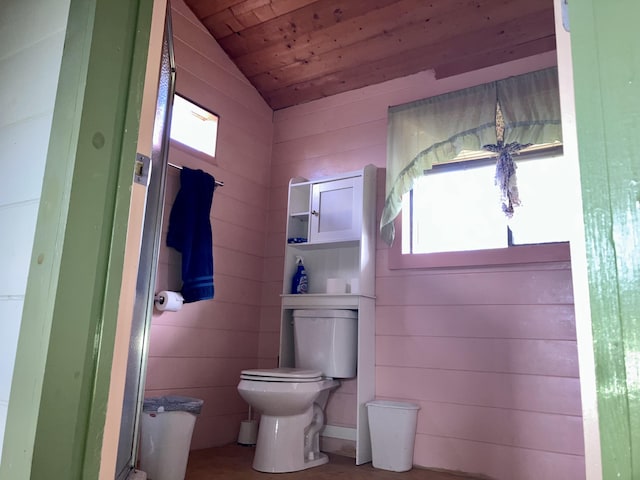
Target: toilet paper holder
x=168 y=300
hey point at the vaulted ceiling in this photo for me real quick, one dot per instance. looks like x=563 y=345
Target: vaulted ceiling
x=295 y=51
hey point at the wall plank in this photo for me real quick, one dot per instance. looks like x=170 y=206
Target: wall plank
x=497 y=355
x=478 y=321
x=534 y=393
x=496 y=461
x=498 y=426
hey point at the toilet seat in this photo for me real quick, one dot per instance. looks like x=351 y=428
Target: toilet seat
x=284 y=375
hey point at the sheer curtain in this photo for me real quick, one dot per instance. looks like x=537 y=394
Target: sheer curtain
x=531 y=107
x=435 y=130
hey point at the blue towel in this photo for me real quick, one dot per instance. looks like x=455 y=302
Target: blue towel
x=190 y=233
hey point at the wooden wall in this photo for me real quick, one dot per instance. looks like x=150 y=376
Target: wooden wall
x=488 y=353
x=30 y=64
x=200 y=350
x=490 y=356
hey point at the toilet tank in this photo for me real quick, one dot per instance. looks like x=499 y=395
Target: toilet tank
x=326 y=340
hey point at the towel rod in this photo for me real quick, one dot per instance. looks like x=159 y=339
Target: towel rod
x=218 y=182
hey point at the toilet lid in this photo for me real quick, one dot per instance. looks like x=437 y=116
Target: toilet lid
x=282 y=375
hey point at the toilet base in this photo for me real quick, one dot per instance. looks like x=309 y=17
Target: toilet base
x=321 y=460
x=290 y=424
x=280 y=445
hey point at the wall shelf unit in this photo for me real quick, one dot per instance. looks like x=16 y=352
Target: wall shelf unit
x=331 y=224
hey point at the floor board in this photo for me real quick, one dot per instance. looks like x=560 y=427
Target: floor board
x=233 y=462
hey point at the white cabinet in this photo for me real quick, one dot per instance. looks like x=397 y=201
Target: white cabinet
x=331 y=225
x=336 y=210
x=328 y=210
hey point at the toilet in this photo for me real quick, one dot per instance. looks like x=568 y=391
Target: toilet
x=292 y=400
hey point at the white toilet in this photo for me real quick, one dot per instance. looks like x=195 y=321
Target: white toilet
x=292 y=400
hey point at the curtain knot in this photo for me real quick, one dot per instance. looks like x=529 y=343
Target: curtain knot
x=505 y=177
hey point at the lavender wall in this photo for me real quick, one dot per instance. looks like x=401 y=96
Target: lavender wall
x=488 y=353
x=200 y=350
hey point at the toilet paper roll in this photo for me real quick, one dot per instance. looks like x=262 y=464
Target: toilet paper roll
x=355 y=285
x=169 y=301
x=336 y=285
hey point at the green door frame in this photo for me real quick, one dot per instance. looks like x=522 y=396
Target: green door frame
x=606 y=64
x=61 y=378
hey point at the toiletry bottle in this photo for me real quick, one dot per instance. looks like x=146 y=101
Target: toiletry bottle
x=300 y=281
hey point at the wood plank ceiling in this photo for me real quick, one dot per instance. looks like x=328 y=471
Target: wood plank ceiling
x=295 y=51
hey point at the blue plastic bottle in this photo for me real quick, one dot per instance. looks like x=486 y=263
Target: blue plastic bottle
x=300 y=281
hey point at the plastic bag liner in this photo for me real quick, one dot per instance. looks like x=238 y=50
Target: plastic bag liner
x=172 y=403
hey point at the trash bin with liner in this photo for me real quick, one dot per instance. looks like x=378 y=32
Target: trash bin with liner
x=166 y=426
x=393 y=431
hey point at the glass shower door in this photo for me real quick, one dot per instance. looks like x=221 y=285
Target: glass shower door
x=148 y=262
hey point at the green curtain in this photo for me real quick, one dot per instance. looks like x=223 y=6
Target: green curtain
x=530 y=107
x=431 y=131
x=435 y=130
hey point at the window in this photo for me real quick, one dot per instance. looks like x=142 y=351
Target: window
x=193 y=126
x=438 y=129
x=455 y=207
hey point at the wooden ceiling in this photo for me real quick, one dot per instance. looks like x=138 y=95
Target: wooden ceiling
x=295 y=51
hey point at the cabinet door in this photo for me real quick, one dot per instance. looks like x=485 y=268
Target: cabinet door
x=336 y=210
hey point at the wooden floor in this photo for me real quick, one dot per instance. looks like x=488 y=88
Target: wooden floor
x=233 y=462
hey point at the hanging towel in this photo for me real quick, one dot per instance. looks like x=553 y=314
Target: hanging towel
x=190 y=233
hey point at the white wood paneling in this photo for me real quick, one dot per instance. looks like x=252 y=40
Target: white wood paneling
x=32 y=36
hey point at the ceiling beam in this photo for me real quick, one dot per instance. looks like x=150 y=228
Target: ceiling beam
x=476 y=61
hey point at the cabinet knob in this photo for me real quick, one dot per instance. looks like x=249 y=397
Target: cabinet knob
x=314 y=212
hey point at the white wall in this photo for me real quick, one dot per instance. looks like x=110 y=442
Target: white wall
x=32 y=37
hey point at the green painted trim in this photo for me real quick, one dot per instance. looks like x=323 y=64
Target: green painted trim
x=40 y=296
x=63 y=364
x=142 y=24
x=606 y=60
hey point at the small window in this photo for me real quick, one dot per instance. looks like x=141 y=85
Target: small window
x=193 y=126
x=456 y=207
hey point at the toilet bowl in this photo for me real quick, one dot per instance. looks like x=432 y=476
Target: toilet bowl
x=291 y=402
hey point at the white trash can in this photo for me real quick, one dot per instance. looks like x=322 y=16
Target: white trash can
x=166 y=426
x=393 y=431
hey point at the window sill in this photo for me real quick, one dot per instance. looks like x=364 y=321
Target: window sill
x=524 y=254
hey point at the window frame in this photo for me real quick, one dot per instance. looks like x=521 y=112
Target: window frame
x=174 y=143
x=510 y=255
